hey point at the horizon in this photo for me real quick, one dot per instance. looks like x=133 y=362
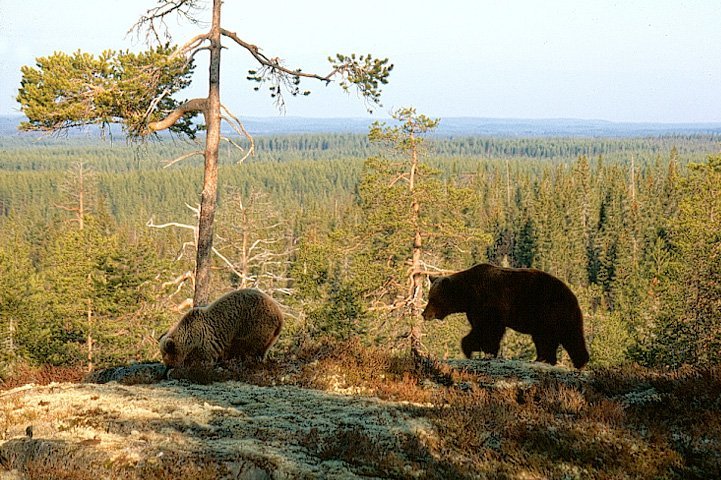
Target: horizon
x=448 y=127
x=375 y=117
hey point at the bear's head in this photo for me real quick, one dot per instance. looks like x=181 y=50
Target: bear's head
x=170 y=351
x=176 y=343
x=440 y=299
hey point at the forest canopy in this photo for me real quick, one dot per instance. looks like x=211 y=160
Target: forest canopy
x=630 y=224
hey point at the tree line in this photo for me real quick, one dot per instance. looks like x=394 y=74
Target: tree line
x=634 y=232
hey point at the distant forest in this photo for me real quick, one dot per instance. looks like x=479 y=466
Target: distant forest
x=96 y=238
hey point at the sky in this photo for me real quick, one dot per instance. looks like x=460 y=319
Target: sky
x=623 y=61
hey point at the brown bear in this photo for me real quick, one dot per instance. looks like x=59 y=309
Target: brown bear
x=242 y=324
x=527 y=300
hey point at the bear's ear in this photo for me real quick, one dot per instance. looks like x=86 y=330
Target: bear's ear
x=433 y=278
x=169 y=346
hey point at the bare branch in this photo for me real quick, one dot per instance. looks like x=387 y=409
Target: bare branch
x=183 y=157
x=227 y=262
x=192 y=46
x=433 y=270
x=154 y=104
x=232 y=142
x=179 y=281
x=182 y=250
x=153 y=22
x=67 y=209
x=402 y=176
x=238 y=126
x=152 y=224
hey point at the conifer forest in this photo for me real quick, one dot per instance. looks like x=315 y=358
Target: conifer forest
x=97 y=239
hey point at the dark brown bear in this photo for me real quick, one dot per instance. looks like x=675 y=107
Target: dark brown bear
x=241 y=324
x=526 y=300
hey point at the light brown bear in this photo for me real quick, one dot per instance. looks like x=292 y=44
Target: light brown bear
x=242 y=324
x=527 y=300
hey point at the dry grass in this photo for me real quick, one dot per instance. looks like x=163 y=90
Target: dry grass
x=23 y=374
x=610 y=423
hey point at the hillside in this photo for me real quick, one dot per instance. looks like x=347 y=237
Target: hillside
x=366 y=415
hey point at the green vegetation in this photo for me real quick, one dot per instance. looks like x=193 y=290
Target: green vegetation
x=633 y=231
x=96 y=258
x=64 y=91
x=135 y=91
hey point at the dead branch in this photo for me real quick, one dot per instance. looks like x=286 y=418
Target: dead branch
x=400 y=177
x=192 y=46
x=152 y=224
x=183 y=157
x=238 y=126
x=184 y=305
x=179 y=281
x=154 y=19
x=227 y=262
x=154 y=104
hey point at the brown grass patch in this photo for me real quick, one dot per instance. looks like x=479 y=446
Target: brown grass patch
x=626 y=422
x=345 y=367
x=24 y=373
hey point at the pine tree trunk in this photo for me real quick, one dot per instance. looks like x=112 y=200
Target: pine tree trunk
x=81 y=196
x=245 y=243
x=210 y=174
x=11 y=335
x=89 y=340
x=416 y=280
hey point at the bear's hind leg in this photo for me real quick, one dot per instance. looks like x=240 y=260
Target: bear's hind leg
x=274 y=338
x=546 y=349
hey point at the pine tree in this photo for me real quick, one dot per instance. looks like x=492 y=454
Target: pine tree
x=19 y=291
x=689 y=330
x=137 y=90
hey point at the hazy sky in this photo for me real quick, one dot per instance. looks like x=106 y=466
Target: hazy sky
x=634 y=60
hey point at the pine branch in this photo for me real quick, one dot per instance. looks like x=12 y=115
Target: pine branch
x=194 y=105
x=274 y=63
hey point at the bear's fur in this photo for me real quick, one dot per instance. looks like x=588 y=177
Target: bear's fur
x=527 y=300
x=242 y=324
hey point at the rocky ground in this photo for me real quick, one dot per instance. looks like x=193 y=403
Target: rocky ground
x=243 y=430
x=140 y=425
x=234 y=429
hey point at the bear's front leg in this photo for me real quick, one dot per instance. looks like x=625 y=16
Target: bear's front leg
x=487 y=330
x=471 y=343
x=546 y=348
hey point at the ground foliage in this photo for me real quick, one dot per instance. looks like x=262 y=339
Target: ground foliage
x=349 y=411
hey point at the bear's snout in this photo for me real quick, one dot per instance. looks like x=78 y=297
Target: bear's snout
x=428 y=313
